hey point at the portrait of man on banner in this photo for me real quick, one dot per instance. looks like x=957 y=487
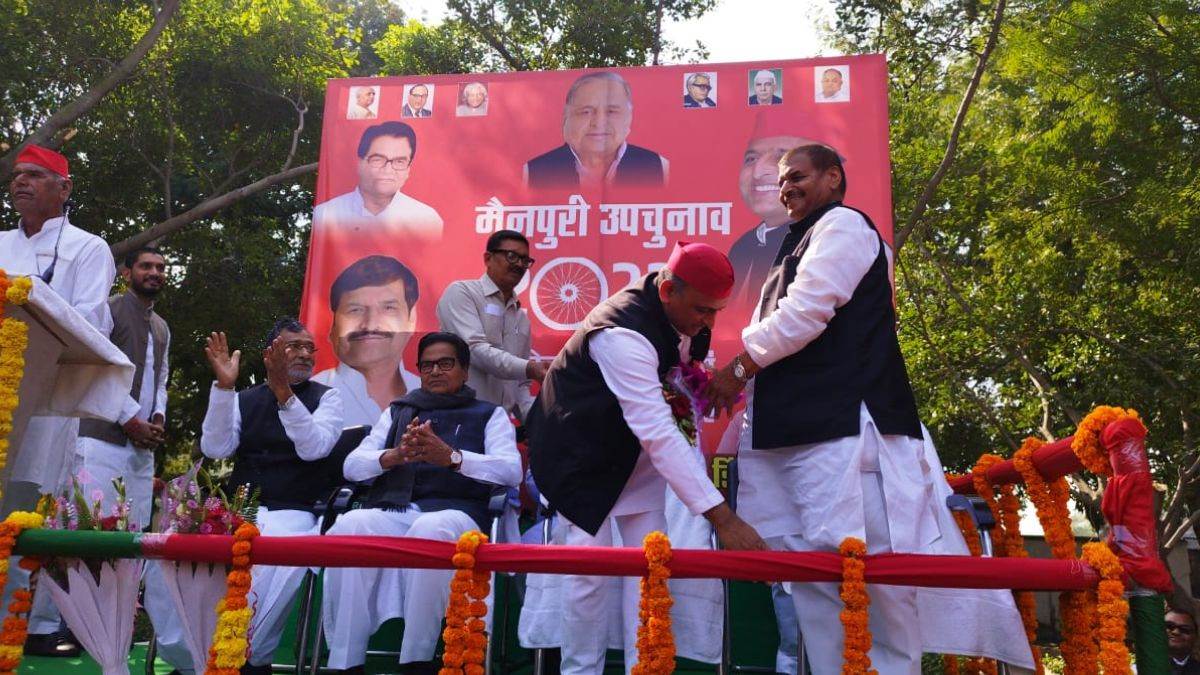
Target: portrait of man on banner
x=597 y=118
x=363 y=104
x=832 y=83
x=386 y=154
x=373 y=303
x=418 y=101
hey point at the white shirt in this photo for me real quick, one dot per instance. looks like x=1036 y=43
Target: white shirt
x=83 y=274
x=499 y=336
x=149 y=400
x=359 y=409
x=498 y=464
x=842 y=248
x=314 y=434
x=629 y=365
x=403 y=216
x=815 y=490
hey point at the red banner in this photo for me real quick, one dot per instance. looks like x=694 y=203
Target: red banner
x=603 y=171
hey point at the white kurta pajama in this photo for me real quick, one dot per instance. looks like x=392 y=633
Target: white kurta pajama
x=629 y=366
x=98 y=463
x=356 y=601
x=314 y=434
x=885 y=489
x=83 y=276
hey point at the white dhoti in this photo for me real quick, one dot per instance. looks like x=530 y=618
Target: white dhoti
x=697 y=615
x=98 y=463
x=890 y=492
x=272 y=588
x=357 y=601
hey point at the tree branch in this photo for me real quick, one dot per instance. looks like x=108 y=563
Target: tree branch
x=66 y=115
x=207 y=208
x=513 y=61
x=960 y=118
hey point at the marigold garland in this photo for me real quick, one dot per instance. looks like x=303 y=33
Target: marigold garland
x=14 y=337
x=856 y=659
x=1112 y=609
x=655 y=639
x=230 y=642
x=16 y=624
x=465 y=634
x=1086 y=444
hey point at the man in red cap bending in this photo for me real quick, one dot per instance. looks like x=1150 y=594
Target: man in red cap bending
x=604 y=443
x=79 y=267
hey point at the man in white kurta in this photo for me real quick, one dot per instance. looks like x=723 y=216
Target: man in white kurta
x=604 y=443
x=281 y=466
x=79 y=267
x=430 y=505
x=856 y=480
x=99 y=458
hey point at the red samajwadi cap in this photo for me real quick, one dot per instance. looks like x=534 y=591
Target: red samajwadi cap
x=702 y=267
x=45 y=158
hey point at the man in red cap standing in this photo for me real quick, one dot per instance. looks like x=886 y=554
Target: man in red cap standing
x=79 y=267
x=604 y=444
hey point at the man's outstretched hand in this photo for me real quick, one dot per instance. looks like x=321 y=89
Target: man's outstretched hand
x=225 y=365
x=733 y=532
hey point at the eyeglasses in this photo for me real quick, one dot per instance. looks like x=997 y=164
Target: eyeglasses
x=513 y=257
x=301 y=347
x=379 y=161
x=705 y=87
x=1180 y=628
x=445 y=365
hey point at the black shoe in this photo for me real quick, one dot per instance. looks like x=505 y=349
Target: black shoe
x=420 y=668
x=53 y=644
x=256 y=670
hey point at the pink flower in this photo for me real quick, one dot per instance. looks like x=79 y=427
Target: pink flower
x=206 y=528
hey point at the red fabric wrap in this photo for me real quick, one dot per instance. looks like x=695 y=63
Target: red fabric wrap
x=1051 y=460
x=45 y=158
x=1128 y=505
x=896 y=569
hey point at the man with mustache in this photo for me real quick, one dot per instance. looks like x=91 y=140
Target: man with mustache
x=274 y=431
x=386 y=153
x=126 y=449
x=832 y=445
x=373 y=302
x=597 y=117
x=754 y=251
x=78 y=266
x=486 y=313
x=434 y=456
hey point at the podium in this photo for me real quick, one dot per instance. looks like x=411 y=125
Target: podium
x=71 y=371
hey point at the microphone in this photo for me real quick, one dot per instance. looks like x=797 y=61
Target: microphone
x=47 y=275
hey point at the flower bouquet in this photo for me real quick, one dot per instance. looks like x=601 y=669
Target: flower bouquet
x=683 y=389
x=97 y=597
x=182 y=597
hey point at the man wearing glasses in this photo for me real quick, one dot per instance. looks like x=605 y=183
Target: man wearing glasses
x=698 y=87
x=386 y=153
x=487 y=314
x=418 y=102
x=274 y=431
x=435 y=455
x=1181 y=643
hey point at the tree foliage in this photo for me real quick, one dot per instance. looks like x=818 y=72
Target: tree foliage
x=1056 y=268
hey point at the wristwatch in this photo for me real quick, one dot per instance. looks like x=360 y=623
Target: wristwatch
x=455 y=460
x=739 y=371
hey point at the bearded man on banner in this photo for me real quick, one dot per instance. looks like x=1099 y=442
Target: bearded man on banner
x=832 y=446
x=604 y=443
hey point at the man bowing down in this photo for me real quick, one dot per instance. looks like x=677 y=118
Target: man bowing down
x=604 y=444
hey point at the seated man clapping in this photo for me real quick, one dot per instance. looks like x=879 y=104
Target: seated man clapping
x=435 y=454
